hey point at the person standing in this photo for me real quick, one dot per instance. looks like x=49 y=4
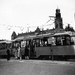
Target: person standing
x=8 y=54
x=19 y=53
x=16 y=52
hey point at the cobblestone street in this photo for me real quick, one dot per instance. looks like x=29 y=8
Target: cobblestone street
x=36 y=67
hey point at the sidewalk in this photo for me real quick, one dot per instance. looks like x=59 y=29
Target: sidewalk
x=39 y=61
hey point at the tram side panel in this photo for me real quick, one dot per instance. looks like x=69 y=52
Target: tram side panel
x=3 y=53
x=56 y=51
x=64 y=50
x=42 y=51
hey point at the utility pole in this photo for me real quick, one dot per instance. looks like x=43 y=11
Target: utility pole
x=28 y=28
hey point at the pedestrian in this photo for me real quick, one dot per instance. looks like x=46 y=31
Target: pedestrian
x=16 y=53
x=19 y=53
x=8 y=54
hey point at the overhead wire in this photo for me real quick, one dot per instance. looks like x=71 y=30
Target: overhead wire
x=9 y=27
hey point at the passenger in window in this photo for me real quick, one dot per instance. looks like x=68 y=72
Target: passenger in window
x=45 y=43
x=58 y=41
x=37 y=43
x=72 y=40
x=64 y=41
x=61 y=41
x=68 y=40
x=42 y=43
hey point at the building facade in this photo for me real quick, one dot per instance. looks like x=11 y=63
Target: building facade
x=58 y=20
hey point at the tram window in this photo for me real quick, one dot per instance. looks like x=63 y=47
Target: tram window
x=23 y=43
x=44 y=42
x=34 y=42
x=51 y=41
x=72 y=40
x=58 y=41
x=63 y=40
x=27 y=42
x=41 y=42
x=37 y=43
x=68 y=40
x=2 y=45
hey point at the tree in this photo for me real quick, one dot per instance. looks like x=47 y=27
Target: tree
x=37 y=29
x=68 y=28
x=14 y=35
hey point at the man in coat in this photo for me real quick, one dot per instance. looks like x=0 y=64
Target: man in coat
x=8 y=54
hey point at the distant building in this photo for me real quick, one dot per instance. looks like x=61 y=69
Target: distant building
x=58 y=20
x=14 y=35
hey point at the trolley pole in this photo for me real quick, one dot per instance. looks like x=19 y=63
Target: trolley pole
x=52 y=52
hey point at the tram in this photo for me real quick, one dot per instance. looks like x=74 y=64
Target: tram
x=47 y=46
x=3 y=48
x=51 y=46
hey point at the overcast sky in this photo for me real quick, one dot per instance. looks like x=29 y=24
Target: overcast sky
x=24 y=13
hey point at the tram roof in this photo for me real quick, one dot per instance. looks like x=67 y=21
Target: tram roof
x=65 y=33
x=5 y=41
x=45 y=35
x=28 y=37
x=18 y=39
x=37 y=36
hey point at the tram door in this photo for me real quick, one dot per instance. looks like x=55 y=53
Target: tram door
x=32 y=49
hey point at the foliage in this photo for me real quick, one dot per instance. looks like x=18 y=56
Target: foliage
x=37 y=29
x=68 y=28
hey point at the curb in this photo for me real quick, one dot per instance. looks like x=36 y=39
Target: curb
x=40 y=61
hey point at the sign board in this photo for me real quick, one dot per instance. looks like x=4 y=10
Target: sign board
x=51 y=40
x=23 y=43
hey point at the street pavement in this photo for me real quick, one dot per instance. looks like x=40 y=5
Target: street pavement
x=36 y=67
